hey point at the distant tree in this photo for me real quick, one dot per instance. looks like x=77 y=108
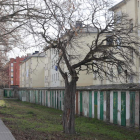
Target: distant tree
x=111 y=49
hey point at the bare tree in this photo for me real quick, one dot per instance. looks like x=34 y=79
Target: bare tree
x=52 y=22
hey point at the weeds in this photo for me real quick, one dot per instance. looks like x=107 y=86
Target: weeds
x=39 y=122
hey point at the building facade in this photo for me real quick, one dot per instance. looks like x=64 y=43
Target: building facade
x=53 y=77
x=130 y=9
x=32 y=70
x=14 y=71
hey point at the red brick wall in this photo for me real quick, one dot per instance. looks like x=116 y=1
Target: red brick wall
x=16 y=71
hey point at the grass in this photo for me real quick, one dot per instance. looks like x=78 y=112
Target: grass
x=35 y=122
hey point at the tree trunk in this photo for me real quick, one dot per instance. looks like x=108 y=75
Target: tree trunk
x=69 y=107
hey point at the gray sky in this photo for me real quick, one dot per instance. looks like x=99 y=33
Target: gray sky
x=20 y=52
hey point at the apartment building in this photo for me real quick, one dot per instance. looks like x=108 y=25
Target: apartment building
x=53 y=77
x=14 y=71
x=130 y=8
x=32 y=70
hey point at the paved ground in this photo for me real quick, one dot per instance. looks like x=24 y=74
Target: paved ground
x=5 y=133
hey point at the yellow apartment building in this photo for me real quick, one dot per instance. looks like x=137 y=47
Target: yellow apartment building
x=131 y=8
x=32 y=71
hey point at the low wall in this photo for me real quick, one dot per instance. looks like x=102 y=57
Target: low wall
x=118 y=104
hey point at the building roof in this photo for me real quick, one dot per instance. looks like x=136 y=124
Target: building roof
x=42 y=54
x=118 y=5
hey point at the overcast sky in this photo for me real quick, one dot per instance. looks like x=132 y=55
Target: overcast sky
x=20 y=52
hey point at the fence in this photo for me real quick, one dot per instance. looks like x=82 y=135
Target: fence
x=118 y=104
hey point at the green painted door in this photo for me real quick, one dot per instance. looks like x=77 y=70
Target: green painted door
x=115 y=107
x=90 y=104
x=55 y=98
x=107 y=106
x=101 y=105
x=95 y=104
x=132 y=109
x=123 y=108
x=81 y=103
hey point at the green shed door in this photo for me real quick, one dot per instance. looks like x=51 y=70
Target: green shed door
x=57 y=99
x=95 y=104
x=10 y=93
x=123 y=108
x=101 y=105
x=132 y=109
x=107 y=106
x=115 y=107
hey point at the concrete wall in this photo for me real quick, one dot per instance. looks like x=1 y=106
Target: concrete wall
x=119 y=104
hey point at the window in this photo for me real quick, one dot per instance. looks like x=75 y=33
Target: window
x=27 y=73
x=52 y=64
x=11 y=74
x=58 y=76
x=131 y=78
x=131 y=55
x=11 y=82
x=119 y=68
x=118 y=43
x=131 y=25
x=118 y=17
x=12 y=69
x=46 y=78
x=139 y=62
x=95 y=75
x=111 y=74
x=109 y=40
x=139 y=32
x=11 y=64
x=46 y=66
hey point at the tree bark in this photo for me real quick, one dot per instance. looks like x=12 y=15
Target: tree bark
x=69 y=107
